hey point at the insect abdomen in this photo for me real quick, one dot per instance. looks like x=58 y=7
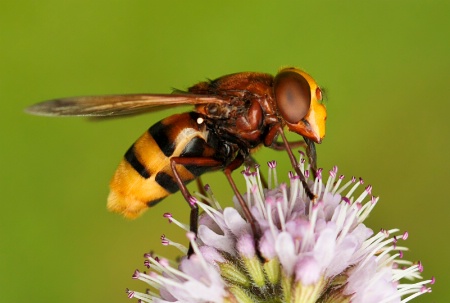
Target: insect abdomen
x=144 y=176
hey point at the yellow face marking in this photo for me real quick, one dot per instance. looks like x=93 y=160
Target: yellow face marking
x=316 y=116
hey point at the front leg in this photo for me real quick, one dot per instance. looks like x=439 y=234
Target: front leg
x=281 y=146
x=270 y=138
x=310 y=147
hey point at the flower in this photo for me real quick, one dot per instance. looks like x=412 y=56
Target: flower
x=300 y=251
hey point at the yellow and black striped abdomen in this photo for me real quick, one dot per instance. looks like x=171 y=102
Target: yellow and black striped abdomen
x=144 y=177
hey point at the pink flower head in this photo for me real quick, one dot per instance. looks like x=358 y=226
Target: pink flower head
x=304 y=250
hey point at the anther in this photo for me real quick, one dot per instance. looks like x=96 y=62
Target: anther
x=319 y=173
x=420 y=266
x=306 y=174
x=346 y=200
x=164 y=240
x=168 y=216
x=136 y=274
x=147 y=263
x=405 y=235
x=272 y=164
x=130 y=294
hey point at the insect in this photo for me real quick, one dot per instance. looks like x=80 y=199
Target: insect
x=233 y=116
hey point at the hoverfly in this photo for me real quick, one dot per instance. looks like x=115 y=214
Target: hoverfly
x=232 y=117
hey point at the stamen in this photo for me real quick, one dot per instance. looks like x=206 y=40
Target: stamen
x=160 y=265
x=258 y=198
x=281 y=215
x=347 y=224
x=306 y=242
x=301 y=162
x=249 y=186
x=330 y=181
x=366 y=192
x=293 y=191
x=406 y=273
x=374 y=250
x=212 y=212
x=191 y=236
x=306 y=174
x=285 y=202
x=140 y=296
x=258 y=179
x=344 y=187
x=172 y=219
x=366 y=209
x=165 y=241
x=338 y=183
x=212 y=197
x=357 y=184
x=339 y=217
x=272 y=167
x=270 y=201
x=318 y=182
x=374 y=240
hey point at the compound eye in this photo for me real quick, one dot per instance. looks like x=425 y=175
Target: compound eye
x=293 y=96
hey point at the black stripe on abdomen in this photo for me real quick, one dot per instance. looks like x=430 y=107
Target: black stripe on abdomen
x=154 y=202
x=131 y=158
x=161 y=135
x=166 y=181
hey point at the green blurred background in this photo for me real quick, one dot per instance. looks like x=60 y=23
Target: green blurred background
x=385 y=66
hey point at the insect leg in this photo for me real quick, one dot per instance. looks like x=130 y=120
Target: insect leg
x=209 y=162
x=280 y=145
x=278 y=130
x=310 y=151
x=197 y=161
x=310 y=147
x=237 y=162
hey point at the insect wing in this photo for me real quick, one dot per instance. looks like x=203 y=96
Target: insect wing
x=117 y=105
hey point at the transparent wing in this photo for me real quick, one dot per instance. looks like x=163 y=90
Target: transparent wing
x=117 y=105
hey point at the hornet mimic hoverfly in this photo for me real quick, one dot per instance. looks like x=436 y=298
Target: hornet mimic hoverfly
x=233 y=115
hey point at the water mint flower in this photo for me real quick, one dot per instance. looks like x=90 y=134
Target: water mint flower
x=302 y=251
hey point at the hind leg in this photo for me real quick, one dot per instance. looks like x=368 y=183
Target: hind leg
x=201 y=187
x=208 y=162
x=197 y=162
